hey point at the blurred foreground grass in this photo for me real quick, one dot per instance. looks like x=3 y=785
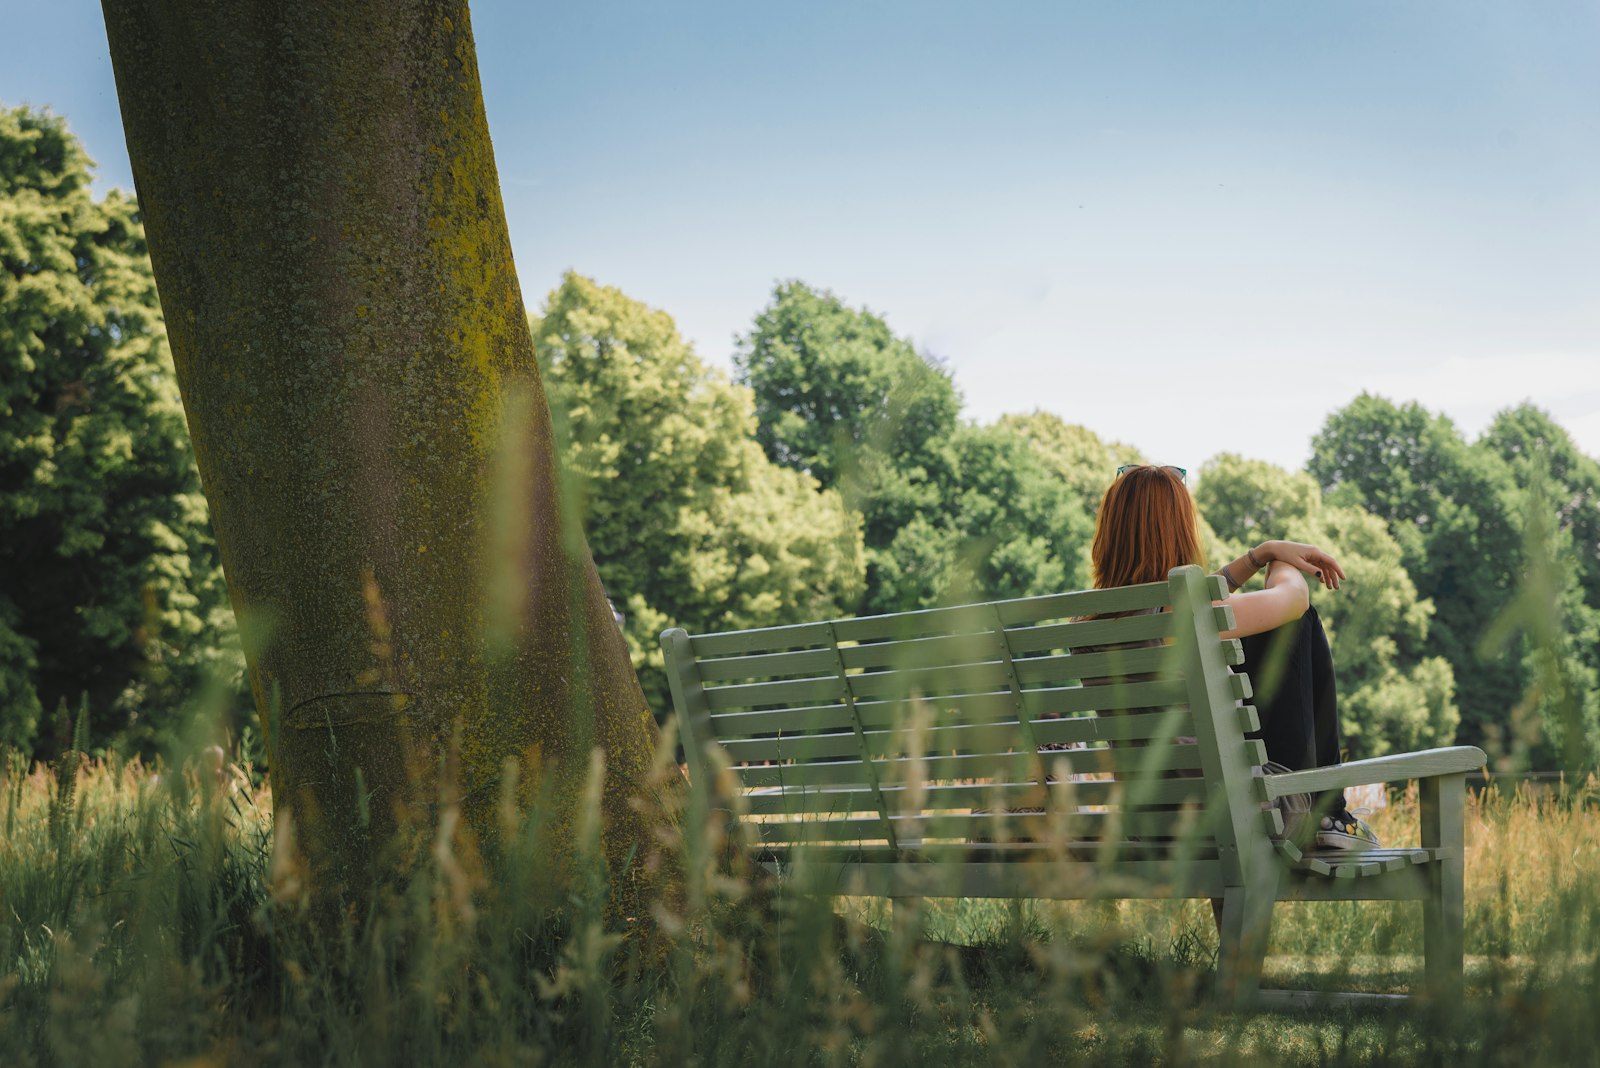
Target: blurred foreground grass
x=145 y=916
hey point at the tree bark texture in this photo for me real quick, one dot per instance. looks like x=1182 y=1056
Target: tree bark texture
x=324 y=218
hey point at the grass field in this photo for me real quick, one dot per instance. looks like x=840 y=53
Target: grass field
x=145 y=917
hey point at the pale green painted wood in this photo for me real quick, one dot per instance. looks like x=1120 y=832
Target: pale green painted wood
x=1032 y=671
x=903 y=625
x=1024 y=729
x=765 y=640
x=694 y=719
x=1130 y=726
x=800 y=663
x=1016 y=765
x=760 y=724
x=1005 y=766
x=901 y=831
x=1242 y=941
x=1117 y=794
x=1228 y=757
x=1083 y=851
x=989 y=675
x=862 y=749
x=966 y=741
x=993 y=672
x=1050 y=637
x=968 y=647
x=1044 y=879
x=793 y=692
x=1396 y=768
x=1066 y=702
x=951 y=735
x=1443 y=803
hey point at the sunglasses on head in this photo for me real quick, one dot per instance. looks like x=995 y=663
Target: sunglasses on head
x=1181 y=472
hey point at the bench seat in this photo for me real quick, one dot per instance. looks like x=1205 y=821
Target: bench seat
x=1092 y=744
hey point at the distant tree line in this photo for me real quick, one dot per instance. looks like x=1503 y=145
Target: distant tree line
x=832 y=473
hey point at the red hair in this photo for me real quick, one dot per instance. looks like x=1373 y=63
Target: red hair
x=1146 y=527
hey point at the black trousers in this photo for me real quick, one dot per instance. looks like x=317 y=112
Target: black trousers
x=1291 y=671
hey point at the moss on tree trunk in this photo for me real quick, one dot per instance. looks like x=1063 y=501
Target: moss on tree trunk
x=325 y=222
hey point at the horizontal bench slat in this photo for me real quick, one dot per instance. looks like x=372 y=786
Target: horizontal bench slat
x=1085 y=603
x=1072 y=700
x=1047 y=637
x=786 y=692
x=1038 y=702
x=931 y=682
x=903 y=625
x=838 y=751
x=761 y=640
x=804 y=747
x=916 y=852
x=963 y=738
x=801 y=662
x=973 y=708
x=1010 y=767
x=1021 y=640
x=1031 y=873
x=1034 y=670
x=790 y=721
x=964 y=648
x=1021 y=610
x=1111 y=793
x=951 y=650
x=1126 y=727
x=1006 y=735
x=996 y=826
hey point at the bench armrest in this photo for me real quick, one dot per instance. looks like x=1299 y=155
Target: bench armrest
x=1396 y=768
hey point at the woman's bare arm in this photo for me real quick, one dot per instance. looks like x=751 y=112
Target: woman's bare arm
x=1306 y=558
x=1284 y=600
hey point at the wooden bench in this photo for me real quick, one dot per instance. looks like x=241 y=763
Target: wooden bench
x=958 y=752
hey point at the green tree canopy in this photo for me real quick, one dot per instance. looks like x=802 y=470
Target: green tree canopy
x=1556 y=609
x=1453 y=510
x=690 y=524
x=110 y=586
x=949 y=511
x=1076 y=454
x=834 y=388
x=1394 y=697
x=1004 y=525
x=1540 y=452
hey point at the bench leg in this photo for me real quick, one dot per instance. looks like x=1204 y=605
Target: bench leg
x=1444 y=800
x=1246 y=921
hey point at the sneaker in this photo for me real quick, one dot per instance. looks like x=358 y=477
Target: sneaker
x=1346 y=831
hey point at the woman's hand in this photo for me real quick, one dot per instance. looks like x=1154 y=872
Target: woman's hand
x=1307 y=558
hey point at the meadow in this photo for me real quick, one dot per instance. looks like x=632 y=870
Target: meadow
x=148 y=915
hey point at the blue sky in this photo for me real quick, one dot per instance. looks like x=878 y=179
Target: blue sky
x=1194 y=227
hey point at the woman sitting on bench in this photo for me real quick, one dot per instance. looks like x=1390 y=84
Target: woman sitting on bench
x=1147 y=526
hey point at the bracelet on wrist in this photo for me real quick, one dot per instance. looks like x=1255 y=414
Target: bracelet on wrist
x=1257 y=564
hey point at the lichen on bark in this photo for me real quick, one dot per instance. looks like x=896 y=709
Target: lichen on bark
x=325 y=222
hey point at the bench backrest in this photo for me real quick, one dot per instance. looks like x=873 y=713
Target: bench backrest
x=1068 y=723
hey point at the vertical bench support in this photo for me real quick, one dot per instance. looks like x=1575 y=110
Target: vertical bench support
x=1443 y=800
x=1024 y=724
x=1250 y=873
x=847 y=695
x=688 y=697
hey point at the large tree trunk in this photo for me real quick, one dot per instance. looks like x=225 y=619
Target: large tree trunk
x=324 y=217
